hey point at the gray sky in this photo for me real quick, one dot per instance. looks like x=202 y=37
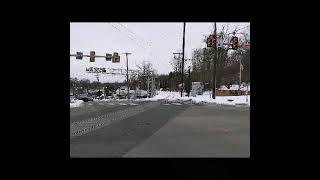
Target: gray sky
x=153 y=42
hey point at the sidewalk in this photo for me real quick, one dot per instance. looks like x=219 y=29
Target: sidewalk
x=201 y=131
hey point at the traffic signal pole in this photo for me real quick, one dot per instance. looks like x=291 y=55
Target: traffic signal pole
x=127 y=74
x=240 y=75
x=184 y=30
x=189 y=82
x=215 y=65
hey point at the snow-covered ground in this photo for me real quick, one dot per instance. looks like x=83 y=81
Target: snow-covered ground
x=175 y=96
x=205 y=98
x=75 y=103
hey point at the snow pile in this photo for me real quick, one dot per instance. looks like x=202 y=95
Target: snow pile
x=75 y=103
x=205 y=98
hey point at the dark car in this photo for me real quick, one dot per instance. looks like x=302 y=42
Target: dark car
x=85 y=98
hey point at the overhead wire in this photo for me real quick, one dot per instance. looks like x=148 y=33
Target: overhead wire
x=149 y=53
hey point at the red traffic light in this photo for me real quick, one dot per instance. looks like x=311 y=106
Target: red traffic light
x=212 y=40
x=234 y=42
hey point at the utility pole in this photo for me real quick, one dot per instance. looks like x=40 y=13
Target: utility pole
x=148 y=86
x=127 y=74
x=189 y=82
x=184 y=29
x=152 y=85
x=240 y=75
x=215 y=65
x=247 y=92
x=98 y=81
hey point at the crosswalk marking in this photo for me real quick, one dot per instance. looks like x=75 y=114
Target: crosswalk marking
x=133 y=104
x=176 y=104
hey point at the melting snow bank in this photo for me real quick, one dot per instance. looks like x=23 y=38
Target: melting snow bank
x=174 y=97
x=202 y=99
x=75 y=103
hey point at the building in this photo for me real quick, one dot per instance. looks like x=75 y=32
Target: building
x=233 y=90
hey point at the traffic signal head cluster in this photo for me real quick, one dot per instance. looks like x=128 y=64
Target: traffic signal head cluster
x=79 y=55
x=212 y=40
x=92 y=56
x=115 y=58
x=108 y=57
x=234 y=42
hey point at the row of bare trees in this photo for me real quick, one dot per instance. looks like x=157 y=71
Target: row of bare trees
x=228 y=63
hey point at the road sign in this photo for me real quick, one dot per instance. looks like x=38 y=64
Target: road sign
x=96 y=70
x=108 y=57
x=90 y=69
x=79 y=55
x=220 y=41
x=92 y=56
x=115 y=58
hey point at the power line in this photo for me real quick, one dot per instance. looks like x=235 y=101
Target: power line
x=126 y=35
x=144 y=48
x=147 y=42
x=163 y=35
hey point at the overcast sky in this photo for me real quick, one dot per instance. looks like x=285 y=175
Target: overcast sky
x=153 y=42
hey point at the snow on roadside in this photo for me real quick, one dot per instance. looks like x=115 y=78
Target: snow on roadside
x=199 y=99
x=75 y=103
x=205 y=98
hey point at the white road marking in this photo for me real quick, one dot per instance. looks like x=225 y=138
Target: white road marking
x=123 y=104
x=111 y=104
x=166 y=104
x=133 y=104
x=176 y=104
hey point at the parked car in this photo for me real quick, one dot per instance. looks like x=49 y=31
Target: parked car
x=85 y=98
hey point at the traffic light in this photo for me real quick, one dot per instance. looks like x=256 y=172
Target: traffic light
x=92 y=56
x=79 y=55
x=108 y=57
x=212 y=40
x=234 y=42
x=115 y=58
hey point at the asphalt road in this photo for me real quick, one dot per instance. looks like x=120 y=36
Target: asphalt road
x=201 y=131
x=168 y=130
x=118 y=138
x=94 y=109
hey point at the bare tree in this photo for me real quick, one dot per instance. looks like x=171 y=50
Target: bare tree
x=145 y=73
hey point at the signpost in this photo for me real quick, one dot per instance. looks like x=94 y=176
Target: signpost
x=220 y=40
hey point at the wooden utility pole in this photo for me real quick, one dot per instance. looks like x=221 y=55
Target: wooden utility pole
x=184 y=30
x=215 y=65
